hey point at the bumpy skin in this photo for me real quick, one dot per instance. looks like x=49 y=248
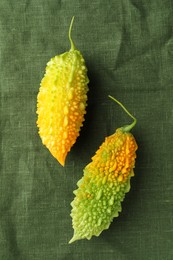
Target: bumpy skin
x=104 y=184
x=61 y=102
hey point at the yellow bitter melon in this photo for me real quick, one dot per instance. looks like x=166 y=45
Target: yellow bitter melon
x=61 y=101
x=104 y=184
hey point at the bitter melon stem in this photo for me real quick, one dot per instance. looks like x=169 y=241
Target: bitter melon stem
x=125 y=128
x=69 y=35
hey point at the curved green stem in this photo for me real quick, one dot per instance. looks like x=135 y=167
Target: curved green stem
x=126 y=128
x=69 y=35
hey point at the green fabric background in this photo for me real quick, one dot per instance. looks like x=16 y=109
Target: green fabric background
x=128 y=48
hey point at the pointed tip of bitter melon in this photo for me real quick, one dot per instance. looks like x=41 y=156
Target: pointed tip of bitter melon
x=74 y=238
x=80 y=236
x=61 y=160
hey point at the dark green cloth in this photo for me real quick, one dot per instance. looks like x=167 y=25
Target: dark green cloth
x=128 y=48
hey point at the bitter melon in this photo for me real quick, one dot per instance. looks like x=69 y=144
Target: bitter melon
x=106 y=180
x=61 y=101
